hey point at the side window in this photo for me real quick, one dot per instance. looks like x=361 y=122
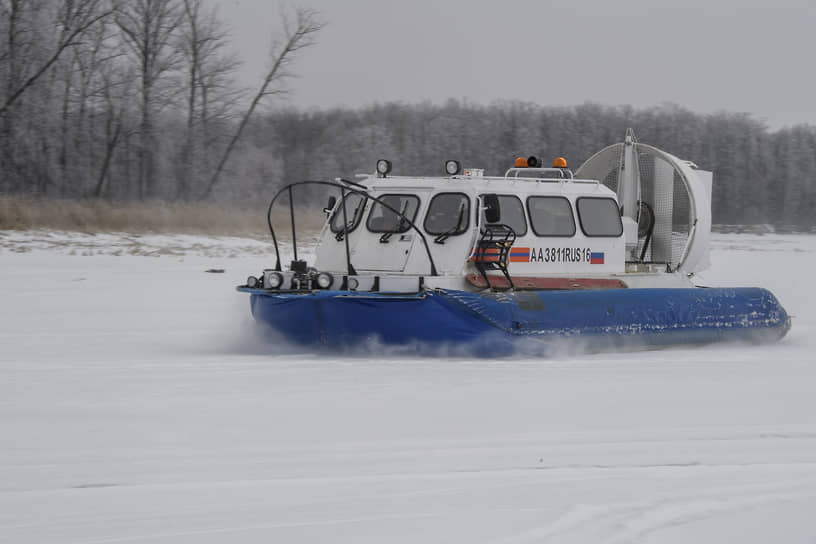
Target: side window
x=354 y=212
x=382 y=219
x=551 y=216
x=599 y=217
x=448 y=213
x=512 y=214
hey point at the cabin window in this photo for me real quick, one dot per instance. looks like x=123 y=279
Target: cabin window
x=512 y=214
x=448 y=213
x=382 y=219
x=551 y=216
x=355 y=203
x=599 y=217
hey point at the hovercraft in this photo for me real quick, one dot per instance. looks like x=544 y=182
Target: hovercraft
x=602 y=257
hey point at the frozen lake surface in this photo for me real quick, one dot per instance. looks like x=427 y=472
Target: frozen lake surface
x=137 y=404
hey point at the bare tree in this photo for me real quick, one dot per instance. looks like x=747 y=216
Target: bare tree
x=35 y=36
x=297 y=36
x=76 y=17
x=18 y=41
x=115 y=93
x=79 y=75
x=111 y=93
x=209 y=74
x=148 y=28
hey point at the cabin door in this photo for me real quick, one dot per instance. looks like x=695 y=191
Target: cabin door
x=390 y=255
x=331 y=251
x=388 y=238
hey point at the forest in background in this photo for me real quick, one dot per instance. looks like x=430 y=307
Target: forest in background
x=138 y=101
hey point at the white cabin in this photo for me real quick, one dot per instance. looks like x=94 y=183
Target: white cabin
x=631 y=214
x=562 y=226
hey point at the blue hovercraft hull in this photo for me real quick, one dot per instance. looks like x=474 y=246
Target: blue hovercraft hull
x=495 y=324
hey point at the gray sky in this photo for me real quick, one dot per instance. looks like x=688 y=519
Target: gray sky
x=736 y=55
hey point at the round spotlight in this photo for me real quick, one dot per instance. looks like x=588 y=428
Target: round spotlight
x=252 y=282
x=324 y=280
x=383 y=167
x=353 y=284
x=274 y=280
x=533 y=162
x=452 y=167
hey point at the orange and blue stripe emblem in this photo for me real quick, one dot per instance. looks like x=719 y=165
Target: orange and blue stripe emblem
x=519 y=254
x=485 y=255
x=515 y=255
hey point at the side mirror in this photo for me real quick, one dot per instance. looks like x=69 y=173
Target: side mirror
x=330 y=206
x=491 y=208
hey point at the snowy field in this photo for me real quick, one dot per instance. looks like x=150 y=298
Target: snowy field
x=137 y=404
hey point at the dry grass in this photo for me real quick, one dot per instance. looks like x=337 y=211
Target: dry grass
x=155 y=217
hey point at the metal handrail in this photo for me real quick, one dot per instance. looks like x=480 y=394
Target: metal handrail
x=563 y=173
x=344 y=189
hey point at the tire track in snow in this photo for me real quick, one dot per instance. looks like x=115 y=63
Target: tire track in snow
x=632 y=521
x=672 y=513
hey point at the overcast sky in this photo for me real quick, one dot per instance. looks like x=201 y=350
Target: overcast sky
x=736 y=55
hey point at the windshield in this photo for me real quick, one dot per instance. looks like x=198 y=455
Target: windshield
x=354 y=212
x=382 y=219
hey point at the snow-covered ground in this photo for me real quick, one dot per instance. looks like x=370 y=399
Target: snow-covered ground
x=138 y=405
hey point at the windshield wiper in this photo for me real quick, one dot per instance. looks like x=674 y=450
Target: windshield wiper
x=445 y=235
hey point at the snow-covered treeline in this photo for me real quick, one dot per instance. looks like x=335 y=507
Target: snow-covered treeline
x=760 y=176
x=138 y=100
x=131 y=100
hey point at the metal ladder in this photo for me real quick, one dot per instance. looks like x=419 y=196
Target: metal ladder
x=492 y=251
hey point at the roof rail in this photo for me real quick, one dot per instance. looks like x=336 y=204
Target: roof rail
x=539 y=173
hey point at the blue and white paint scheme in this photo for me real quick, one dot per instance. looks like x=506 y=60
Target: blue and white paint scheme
x=604 y=257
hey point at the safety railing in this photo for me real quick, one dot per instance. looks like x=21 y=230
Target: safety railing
x=346 y=187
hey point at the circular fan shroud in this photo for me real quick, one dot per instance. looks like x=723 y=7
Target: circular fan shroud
x=671 y=188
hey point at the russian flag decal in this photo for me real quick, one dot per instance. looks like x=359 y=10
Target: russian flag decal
x=596 y=258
